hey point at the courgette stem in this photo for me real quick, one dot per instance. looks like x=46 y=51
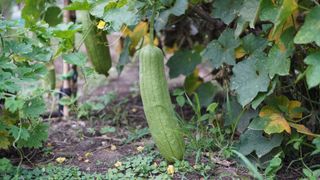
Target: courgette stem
x=154 y=9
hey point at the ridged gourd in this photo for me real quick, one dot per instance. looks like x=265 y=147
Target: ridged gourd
x=96 y=43
x=158 y=108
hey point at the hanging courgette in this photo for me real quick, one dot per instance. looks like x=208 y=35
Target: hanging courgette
x=96 y=43
x=158 y=108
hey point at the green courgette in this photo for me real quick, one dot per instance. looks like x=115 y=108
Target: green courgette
x=96 y=43
x=158 y=108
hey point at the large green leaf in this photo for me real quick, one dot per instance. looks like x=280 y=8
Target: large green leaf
x=226 y=10
x=206 y=92
x=310 y=30
x=313 y=69
x=32 y=10
x=268 y=11
x=118 y=17
x=76 y=58
x=183 y=62
x=277 y=62
x=249 y=78
x=254 y=141
x=53 y=15
x=78 y=5
x=33 y=108
x=248 y=15
x=37 y=135
x=252 y=44
x=179 y=7
x=222 y=50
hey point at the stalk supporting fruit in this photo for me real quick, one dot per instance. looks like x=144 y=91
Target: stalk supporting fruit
x=96 y=44
x=163 y=123
x=50 y=78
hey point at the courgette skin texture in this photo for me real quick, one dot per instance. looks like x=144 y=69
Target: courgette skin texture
x=96 y=44
x=158 y=108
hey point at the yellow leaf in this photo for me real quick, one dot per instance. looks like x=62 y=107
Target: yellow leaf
x=173 y=49
x=303 y=130
x=147 y=40
x=291 y=108
x=286 y=10
x=170 y=170
x=113 y=147
x=118 y=164
x=88 y=154
x=140 y=148
x=61 y=160
x=4 y=140
x=277 y=123
x=276 y=32
x=240 y=52
x=101 y=24
x=136 y=35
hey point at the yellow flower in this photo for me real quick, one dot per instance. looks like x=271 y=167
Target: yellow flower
x=140 y=148
x=118 y=164
x=60 y=160
x=170 y=170
x=101 y=24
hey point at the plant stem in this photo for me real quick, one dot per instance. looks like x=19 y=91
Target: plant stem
x=154 y=9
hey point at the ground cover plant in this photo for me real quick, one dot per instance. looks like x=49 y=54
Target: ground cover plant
x=159 y=89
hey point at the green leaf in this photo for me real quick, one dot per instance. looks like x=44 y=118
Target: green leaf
x=254 y=141
x=19 y=48
x=206 y=92
x=183 y=62
x=33 y=108
x=262 y=95
x=38 y=134
x=13 y=104
x=249 y=79
x=40 y=54
x=252 y=44
x=222 y=50
x=277 y=62
x=226 y=10
x=285 y=11
x=313 y=69
x=118 y=17
x=5 y=165
x=309 y=32
x=268 y=11
x=248 y=15
x=124 y=55
x=18 y=133
x=212 y=107
x=259 y=123
x=53 y=15
x=179 y=7
x=78 y=5
x=31 y=11
x=180 y=100
x=274 y=166
x=76 y=58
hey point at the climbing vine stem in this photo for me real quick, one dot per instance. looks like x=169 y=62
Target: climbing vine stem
x=154 y=9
